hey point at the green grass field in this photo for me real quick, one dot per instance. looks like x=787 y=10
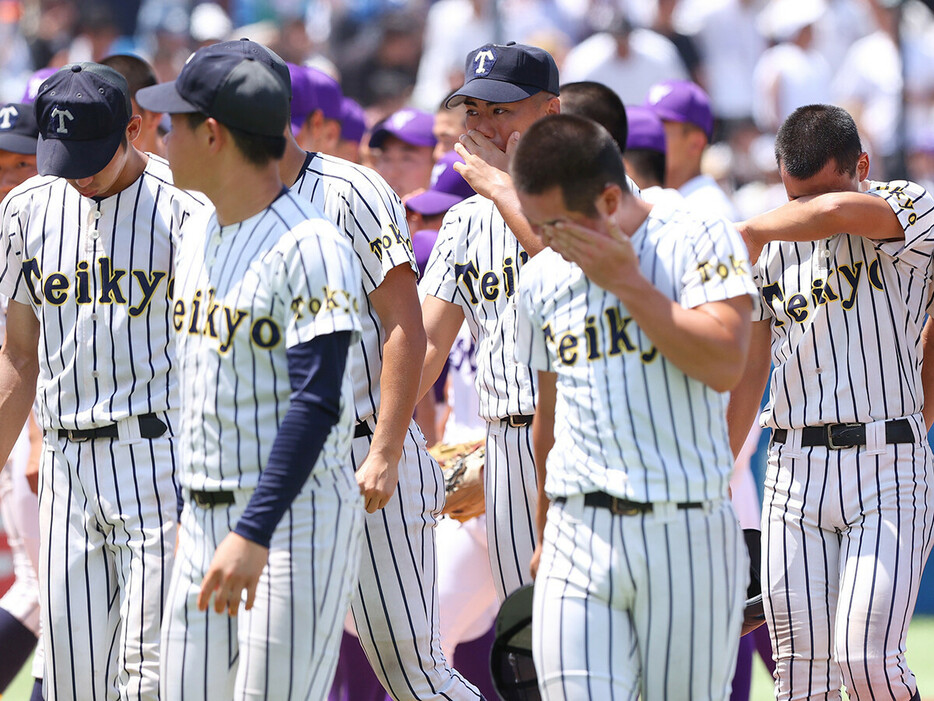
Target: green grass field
x=920 y=658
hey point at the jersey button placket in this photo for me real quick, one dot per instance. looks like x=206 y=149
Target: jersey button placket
x=88 y=312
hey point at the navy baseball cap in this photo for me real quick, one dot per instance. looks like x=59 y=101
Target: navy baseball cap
x=447 y=188
x=506 y=73
x=19 y=132
x=238 y=91
x=82 y=111
x=244 y=48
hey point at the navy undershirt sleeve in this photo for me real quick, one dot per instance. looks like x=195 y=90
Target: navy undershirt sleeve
x=316 y=369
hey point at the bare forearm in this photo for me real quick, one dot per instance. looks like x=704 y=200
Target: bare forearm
x=927 y=371
x=17 y=392
x=507 y=202
x=745 y=399
x=403 y=352
x=823 y=216
x=706 y=346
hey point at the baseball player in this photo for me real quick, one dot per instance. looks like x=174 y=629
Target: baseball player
x=88 y=262
x=264 y=314
x=473 y=273
x=395 y=598
x=648 y=338
x=19 y=508
x=844 y=278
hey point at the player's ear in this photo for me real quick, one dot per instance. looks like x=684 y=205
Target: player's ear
x=862 y=167
x=215 y=134
x=133 y=128
x=609 y=200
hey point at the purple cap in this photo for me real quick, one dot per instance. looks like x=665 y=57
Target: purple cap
x=313 y=90
x=422 y=243
x=681 y=101
x=412 y=126
x=447 y=188
x=353 y=120
x=32 y=85
x=646 y=130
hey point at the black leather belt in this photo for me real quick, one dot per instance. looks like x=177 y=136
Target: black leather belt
x=150 y=426
x=836 y=436
x=362 y=429
x=519 y=420
x=207 y=499
x=624 y=507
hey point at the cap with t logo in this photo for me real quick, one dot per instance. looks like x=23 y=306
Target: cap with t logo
x=82 y=111
x=506 y=73
x=18 y=129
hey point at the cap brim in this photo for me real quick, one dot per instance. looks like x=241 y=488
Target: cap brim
x=164 y=98
x=18 y=143
x=431 y=203
x=76 y=159
x=490 y=90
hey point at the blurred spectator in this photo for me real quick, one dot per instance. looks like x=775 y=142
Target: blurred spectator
x=792 y=73
x=402 y=148
x=209 y=24
x=97 y=32
x=380 y=65
x=353 y=127
x=686 y=45
x=448 y=126
x=316 y=109
x=139 y=74
x=871 y=85
x=730 y=45
x=627 y=60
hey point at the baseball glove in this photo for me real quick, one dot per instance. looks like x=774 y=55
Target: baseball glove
x=462 y=466
x=753 y=615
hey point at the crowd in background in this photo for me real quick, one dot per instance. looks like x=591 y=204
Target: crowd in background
x=757 y=59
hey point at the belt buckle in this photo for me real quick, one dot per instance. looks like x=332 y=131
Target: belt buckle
x=200 y=498
x=75 y=436
x=617 y=507
x=830 y=444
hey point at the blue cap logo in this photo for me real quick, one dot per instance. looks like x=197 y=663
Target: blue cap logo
x=9 y=116
x=484 y=61
x=62 y=115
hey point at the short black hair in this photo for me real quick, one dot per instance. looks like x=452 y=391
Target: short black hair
x=647 y=164
x=815 y=135
x=573 y=153
x=597 y=102
x=256 y=149
x=137 y=72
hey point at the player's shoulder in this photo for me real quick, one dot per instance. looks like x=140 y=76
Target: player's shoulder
x=157 y=175
x=546 y=265
x=35 y=191
x=339 y=172
x=300 y=219
x=468 y=213
x=905 y=190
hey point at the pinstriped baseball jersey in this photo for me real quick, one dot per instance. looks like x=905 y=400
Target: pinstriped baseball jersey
x=101 y=289
x=610 y=373
x=372 y=217
x=244 y=293
x=475 y=264
x=846 y=315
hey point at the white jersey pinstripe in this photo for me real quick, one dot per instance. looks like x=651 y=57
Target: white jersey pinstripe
x=612 y=375
x=372 y=218
x=475 y=264
x=98 y=274
x=101 y=290
x=846 y=315
x=244 y=293
x=396 y=596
